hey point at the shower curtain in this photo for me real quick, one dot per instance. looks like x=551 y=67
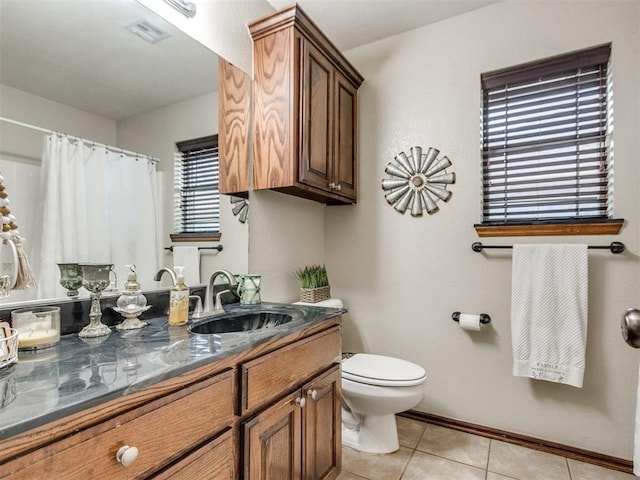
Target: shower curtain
x=99 y=206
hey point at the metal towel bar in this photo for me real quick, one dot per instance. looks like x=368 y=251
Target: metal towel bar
x=615 y=247
x=217 y=247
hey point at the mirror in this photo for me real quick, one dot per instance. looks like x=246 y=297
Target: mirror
x=111 y=72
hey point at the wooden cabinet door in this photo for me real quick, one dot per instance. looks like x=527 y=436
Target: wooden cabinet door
x=234 y=120
x=321 y=427
x=316 y=119
x=274 y=111
x=345 y=138
x=272 y=441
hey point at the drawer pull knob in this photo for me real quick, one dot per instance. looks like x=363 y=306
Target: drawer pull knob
x=312 y=394
x=127 y=455
x=301 y=402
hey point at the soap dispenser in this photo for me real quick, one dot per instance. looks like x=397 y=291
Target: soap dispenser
x=131 y=303
x=179 y=300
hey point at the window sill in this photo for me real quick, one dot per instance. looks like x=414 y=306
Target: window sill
x=195 y=237
x=611 y=227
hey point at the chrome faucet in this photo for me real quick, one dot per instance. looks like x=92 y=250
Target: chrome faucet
x=170 y=272
x=209 y=307
x=197 y=311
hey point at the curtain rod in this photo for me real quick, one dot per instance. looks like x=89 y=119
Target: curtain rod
x=97 y=144
x=615 y=247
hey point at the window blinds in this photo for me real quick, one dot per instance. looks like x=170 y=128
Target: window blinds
x=196 y=197
x=546 y=152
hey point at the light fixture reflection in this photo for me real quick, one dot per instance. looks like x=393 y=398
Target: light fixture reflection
x=185 y=7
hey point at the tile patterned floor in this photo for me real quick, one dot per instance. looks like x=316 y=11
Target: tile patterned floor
x=430 y=452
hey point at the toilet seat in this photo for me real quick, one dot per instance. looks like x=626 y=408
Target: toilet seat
x=382 y=371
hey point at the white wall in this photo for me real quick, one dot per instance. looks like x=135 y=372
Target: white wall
x=286 y=233
x=156 y=133
x=402 y=277
x=39 y=111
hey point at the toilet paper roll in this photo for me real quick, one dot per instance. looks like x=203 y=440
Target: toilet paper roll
x=469 y=322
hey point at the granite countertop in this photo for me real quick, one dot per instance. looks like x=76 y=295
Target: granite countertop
x=78 y=373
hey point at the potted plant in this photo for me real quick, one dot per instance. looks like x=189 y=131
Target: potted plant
x=314 y=283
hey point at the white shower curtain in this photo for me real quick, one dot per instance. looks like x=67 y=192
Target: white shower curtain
x=99 y=206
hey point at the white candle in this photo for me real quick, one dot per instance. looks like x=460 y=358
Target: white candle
x=37 y=338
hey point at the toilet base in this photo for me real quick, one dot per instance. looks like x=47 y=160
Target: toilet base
x=376 y=434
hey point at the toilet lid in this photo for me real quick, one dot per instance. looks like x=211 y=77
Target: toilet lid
x=381 y=370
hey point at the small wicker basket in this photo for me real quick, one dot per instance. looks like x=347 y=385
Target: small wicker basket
x=8 y=347
x=315 y=295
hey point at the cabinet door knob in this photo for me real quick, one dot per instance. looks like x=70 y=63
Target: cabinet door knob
x=332 y=186
x=337 y=186
x=127 y=455
x=301 y=402
x=312 y=394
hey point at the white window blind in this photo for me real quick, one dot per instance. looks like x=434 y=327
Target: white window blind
x=546 y=148
x=196 y=196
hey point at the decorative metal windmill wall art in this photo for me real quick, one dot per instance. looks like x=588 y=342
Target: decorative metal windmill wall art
x=417 y=183
x=240 y=208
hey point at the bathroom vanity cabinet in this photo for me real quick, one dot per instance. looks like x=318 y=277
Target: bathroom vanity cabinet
x=299 y=435
x=184 y=423
x=238 y=414
x=305 y=111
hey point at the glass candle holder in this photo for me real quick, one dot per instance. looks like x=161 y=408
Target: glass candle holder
x=70 y=277
x=249 y=289
x=38 y=327
x=95 y=278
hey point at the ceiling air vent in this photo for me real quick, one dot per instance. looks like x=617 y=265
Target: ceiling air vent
x=147 y=31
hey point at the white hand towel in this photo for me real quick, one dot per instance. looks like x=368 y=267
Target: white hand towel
x=189 y=258
x=549 y=312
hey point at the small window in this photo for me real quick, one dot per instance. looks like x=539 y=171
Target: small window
x=196 y=197
x=547 y=152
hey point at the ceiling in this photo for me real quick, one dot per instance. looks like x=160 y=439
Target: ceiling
x=78 y=52
x=351 y=23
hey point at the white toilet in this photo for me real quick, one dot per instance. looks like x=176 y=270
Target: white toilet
x=374 y=389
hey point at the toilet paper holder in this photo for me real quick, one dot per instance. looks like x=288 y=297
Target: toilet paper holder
x=484 y=318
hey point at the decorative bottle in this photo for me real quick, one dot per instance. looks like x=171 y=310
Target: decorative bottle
x=179 y=300
x=132 y=303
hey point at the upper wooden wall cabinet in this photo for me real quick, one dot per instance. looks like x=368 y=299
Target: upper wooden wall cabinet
x=234 y=100
x=305 y=111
